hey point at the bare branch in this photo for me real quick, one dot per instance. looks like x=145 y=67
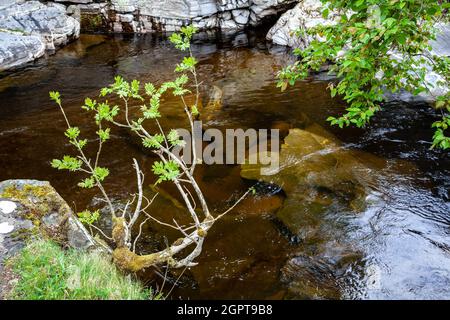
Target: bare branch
x=234 y=205
x=139 y=234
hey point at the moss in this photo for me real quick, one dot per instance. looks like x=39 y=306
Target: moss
x=128 y=261
x=118 y=232
x=202 y=233
x=38 y=201
x=93 y=22
x=45 y=195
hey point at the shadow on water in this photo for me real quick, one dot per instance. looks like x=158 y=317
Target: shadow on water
x=398 y=247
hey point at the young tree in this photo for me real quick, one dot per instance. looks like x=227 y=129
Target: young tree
x=171 y=167
x=377 y=45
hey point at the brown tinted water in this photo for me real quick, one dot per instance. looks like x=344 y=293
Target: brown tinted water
x=397 y=247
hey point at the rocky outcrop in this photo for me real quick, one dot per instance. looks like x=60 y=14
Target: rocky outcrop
x=17 y=49
x=31 y=208
x=305 y=15
x=170 y=15
x=30 y=28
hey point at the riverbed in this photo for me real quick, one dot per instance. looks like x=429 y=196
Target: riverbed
x=397 y=247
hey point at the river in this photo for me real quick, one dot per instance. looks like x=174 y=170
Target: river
x=397 y=247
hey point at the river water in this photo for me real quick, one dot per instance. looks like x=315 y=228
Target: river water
x=397 y=247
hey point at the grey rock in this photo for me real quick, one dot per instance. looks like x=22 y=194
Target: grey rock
x=27 y=23
x=171 y=15
x=303 y=16
x=241 y=16
x=17 y=49
x=125 y=17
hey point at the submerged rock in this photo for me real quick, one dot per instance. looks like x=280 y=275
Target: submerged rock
x=31 y=207
x=317 y=175
x=320 y=276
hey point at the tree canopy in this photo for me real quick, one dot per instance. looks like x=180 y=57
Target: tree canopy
x=374 y=46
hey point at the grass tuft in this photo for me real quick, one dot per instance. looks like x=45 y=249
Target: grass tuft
x=46 y=272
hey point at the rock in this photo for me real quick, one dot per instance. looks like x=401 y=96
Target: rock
x=214 y=104
x=29 y=208
x=49 y=22
x=317 y=175
x=319 y=276
x=28 y=28
x=139 y=16
x=439 y=47
x=17 y=49
x=305 y=15
x=241 y=16
x=171 y=15
x=75 y=1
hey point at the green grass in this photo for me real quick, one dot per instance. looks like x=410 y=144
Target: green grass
x=46 y=272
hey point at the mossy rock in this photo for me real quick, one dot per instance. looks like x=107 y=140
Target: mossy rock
x=34 y=209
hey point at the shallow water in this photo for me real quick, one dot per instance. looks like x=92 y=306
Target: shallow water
x=398 y=247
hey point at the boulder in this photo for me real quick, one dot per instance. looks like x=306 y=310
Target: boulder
x=303 y=16
x=30 y=208
x=317 y=176
x=439 y=47
x=17 y=49
x=28 y=26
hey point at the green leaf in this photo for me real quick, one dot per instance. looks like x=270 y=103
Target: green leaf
x=104 y=134
x=55 y=96
x=150 y=89
x=165 y=171
x=174 y=138
x=67 y=163
x=101 y=173
x=153 y=142
x=72 y=133
x=87 y=183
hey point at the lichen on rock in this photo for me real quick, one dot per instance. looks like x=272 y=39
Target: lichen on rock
x=39 y=211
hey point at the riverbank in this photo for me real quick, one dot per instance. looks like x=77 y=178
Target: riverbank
x=42 y=270
x=46 y=253
x=31 y=29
